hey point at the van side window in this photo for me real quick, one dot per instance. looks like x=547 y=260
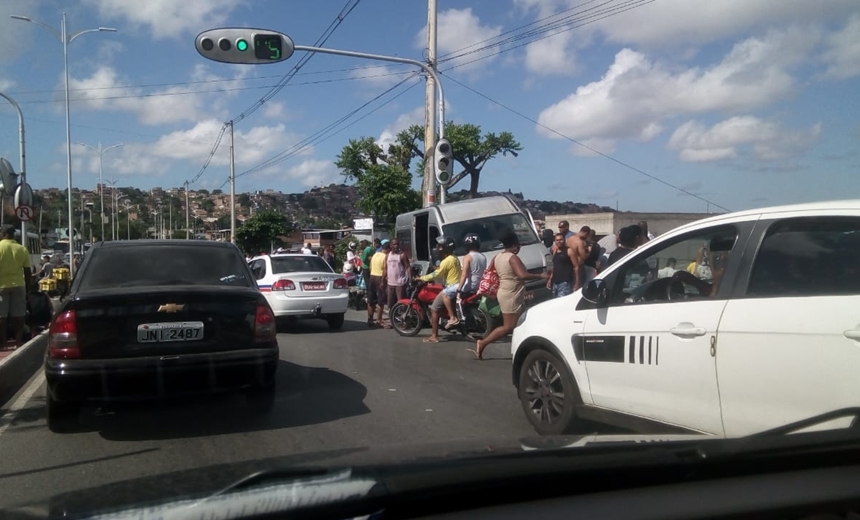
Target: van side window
x=404 y=236
x=422 y=243
x=808 y=257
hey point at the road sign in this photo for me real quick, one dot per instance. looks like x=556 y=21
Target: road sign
x=25 y=213
x=232 y=45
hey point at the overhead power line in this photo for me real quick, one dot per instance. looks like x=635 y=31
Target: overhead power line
x=579 y=143
x=329 y=130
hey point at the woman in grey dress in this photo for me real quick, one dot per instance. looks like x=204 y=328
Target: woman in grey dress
x=512 y=289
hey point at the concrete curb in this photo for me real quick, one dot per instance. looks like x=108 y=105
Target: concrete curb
x=18 y=367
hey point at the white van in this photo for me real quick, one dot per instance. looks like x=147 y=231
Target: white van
x=485 y=217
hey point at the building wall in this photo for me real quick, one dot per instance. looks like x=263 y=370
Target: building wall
x=607 y=223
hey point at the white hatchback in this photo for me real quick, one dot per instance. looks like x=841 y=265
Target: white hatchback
x=302 y=286
x=727 y=326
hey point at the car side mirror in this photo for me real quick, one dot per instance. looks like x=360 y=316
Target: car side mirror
x=596 y=292
x=548 y=237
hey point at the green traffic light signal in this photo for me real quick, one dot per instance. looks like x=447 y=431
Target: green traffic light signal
x=242 y=45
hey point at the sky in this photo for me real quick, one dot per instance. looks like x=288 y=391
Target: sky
x=643 y=105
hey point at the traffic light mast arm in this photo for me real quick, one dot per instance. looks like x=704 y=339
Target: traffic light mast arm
x=381 y=57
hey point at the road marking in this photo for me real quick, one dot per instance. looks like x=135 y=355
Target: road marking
x=28 y=393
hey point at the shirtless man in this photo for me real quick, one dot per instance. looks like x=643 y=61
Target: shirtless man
x=577 y=250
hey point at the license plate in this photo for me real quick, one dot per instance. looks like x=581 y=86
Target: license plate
x=313 y=286
x=175 y=331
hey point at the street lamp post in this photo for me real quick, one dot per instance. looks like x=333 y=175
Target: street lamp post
x=66 y=39
x=100 y=151
x=22 y=165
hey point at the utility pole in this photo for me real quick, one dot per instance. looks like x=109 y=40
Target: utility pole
x=187 y=213
x=232 y=189
x=170 y=209
x=428 y=191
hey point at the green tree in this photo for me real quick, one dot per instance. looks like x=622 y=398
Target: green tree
x=471 y=150
x=217 y=192
x=244 y=200
x=207 y=205
x=259 y=231
x=382 y=178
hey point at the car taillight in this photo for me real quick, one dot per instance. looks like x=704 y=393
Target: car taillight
x=63 y=337
x=341 y=283
x=284 y=285
x=264 y=324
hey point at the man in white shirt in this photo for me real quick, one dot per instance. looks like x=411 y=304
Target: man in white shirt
x=307 y=249
x=669 y=270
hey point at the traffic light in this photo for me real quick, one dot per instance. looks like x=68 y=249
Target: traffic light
x=444 y=161
x=231 y=45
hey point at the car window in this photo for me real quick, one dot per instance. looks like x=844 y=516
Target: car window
x=646 y=276
x=145 y=265
x=299 y=264
x=258 y=267
x=808 y=257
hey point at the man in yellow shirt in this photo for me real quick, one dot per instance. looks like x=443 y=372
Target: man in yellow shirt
x=448 y=273
x=376 y=286
x=14 y=279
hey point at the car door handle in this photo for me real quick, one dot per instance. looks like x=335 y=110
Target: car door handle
x=852 y=334
x=688 y=331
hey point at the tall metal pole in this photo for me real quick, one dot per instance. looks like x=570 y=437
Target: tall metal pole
x=102 y=190
x=187 y=215
x=170 y=209
x=64 y=37
x=232 y=189
x=429 y=182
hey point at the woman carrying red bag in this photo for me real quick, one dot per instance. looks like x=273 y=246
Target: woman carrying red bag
x=511 y=295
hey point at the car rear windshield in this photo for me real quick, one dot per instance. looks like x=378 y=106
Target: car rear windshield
x=299 y=264
x=164 y=265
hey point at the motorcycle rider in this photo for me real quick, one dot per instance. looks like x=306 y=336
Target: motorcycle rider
x=474 y=264
x=448 y=273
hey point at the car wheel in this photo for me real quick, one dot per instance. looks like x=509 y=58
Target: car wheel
x=261 y=399
x=548 y=393
x=62 y=417
x=335 y=321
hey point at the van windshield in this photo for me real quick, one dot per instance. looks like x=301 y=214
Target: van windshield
x=489 y=229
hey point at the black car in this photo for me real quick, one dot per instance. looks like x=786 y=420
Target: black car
x=151 y=319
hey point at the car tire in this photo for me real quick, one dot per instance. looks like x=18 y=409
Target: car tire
x=62 y=417
x=261 y=399
x=549 y=402
x=335 y=321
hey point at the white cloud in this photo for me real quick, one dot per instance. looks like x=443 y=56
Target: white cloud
x=403 y=121
x=168 y=18
x=314 y=172
x=380 y=76
x=190 y=147
x=104 y=90
x=683 y=22
x=843 y=52
x=16 y=34
x=636 y=95
x=733 y=137
x=274 y=110
x=551 y=55
x=460 y=31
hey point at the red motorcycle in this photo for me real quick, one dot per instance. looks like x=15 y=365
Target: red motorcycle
x=410 y=315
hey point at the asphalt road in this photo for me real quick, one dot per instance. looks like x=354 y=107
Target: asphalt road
x=337 y=392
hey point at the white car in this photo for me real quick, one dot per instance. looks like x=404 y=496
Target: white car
x=302 y=286
x=768 y=332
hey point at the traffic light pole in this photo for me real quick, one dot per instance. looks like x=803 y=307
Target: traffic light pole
x=23 y=164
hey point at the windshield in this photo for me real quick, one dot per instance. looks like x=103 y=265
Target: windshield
x=144 y=265
x=489 y=230
x=257 y=214
x=299 y=264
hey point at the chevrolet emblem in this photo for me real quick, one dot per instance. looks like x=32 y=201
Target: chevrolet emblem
x=171 y=307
